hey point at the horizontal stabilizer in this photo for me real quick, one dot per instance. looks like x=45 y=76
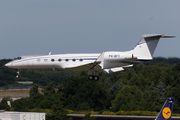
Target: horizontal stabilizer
x=168 y=36
x=157 y=35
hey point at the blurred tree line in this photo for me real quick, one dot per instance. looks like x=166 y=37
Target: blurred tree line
x=142 y=87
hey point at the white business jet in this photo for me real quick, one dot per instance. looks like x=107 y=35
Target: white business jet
x=111 y=61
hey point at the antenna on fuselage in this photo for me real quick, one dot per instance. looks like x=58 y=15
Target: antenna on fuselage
x=50 y=53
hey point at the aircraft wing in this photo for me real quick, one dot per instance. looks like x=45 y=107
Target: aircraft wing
x=89 y=65
x=99 y=65
x=100 y=58
x=82 y=67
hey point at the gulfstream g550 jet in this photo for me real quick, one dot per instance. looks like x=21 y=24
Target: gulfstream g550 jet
x=110 y=61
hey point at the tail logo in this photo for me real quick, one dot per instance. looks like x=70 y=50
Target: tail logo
x=166 y=113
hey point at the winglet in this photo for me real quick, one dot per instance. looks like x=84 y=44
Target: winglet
x=101 y=57
x=166 y=111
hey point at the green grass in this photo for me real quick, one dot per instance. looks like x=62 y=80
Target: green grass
x=14 y=92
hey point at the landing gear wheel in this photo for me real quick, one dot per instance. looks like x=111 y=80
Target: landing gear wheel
x=91 y=77
x=96 y=78
x=18 y=74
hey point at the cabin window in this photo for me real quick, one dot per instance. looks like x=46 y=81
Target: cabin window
x=59 y=60
x=45 y=60
x=52 y=60
x=38 y=60
x=81 y=59
x=73 y=60
x=66 y=60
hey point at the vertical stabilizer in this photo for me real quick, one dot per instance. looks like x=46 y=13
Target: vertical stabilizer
x=146 y=47
x=166 y=111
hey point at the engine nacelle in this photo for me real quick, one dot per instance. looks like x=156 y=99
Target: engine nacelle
x=117 y=56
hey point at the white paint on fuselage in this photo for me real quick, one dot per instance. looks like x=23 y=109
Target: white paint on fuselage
x=53 y=61
x=93 y=63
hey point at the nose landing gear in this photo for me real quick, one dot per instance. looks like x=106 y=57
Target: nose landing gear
x=18 y=74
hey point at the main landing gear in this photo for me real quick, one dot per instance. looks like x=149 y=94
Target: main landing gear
x=93 y=74
x=91 y=77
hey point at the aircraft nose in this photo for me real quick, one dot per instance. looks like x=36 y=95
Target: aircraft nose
x=8 y=64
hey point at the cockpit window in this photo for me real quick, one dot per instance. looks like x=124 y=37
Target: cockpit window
x=18 y=58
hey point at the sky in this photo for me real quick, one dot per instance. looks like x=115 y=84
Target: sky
x=37 y=27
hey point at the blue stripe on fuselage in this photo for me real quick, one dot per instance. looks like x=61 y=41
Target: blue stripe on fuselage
x=52 y=58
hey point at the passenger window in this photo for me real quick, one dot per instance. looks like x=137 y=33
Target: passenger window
x=38 y=60
x=59 y=60
x=52 y=60
x=45 y=60
x=81 y=59
x=66 y=60
x=73 y=60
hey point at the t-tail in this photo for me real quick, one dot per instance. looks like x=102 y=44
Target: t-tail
x=144 y=50
x=166 y=111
